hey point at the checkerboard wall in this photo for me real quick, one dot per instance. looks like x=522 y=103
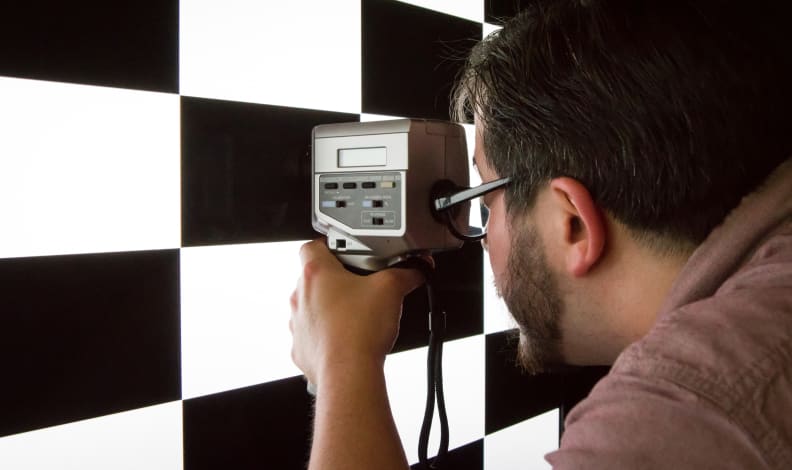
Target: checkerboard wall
x=154 y=192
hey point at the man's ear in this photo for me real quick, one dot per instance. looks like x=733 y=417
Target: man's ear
x=582 y=225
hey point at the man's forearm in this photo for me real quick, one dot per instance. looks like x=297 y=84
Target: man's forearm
x=354 y=426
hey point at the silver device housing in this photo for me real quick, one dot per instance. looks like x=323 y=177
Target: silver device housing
x=373 y=184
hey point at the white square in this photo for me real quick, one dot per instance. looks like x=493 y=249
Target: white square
x=472 y=10
x=488 y=29
x=87 y=169
x=463 y=380
x=235 y=315
x=149 y=438
x=524 y=444
x=304 y=53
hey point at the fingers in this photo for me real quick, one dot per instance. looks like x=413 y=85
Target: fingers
x=409 y=274
x=401 y=280
x=343 y=315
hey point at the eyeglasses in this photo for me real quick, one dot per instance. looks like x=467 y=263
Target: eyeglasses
x=455 y=210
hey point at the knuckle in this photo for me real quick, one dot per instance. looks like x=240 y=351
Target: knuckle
x=310 y=246
x=305 y=249
x=310 y=270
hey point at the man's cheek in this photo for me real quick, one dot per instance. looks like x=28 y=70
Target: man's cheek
x=498 y=262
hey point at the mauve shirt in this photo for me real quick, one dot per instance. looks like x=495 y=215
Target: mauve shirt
x=710 y=385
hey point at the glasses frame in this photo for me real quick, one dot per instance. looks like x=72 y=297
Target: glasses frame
x=443 y=205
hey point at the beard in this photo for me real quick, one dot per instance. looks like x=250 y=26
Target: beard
x=531 y=293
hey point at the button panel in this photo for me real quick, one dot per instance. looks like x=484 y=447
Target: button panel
x=362 y=200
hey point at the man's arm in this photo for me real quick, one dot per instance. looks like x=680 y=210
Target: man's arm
x=343 y=326
x=353 y=427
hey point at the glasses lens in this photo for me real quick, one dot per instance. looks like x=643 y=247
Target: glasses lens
x=469 y=218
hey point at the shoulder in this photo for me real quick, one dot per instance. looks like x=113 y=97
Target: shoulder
x=633 y=422
x=710 y=386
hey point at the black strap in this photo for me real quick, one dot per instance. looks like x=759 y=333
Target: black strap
x=434 y=385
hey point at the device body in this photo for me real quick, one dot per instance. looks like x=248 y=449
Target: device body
x=373 y=183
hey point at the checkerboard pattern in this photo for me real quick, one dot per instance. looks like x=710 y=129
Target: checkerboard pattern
x=154 y=192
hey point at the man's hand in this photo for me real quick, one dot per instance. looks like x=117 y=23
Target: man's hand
x=341 y=320
x=343 y=326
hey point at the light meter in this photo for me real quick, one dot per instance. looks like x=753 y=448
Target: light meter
x=373 y=186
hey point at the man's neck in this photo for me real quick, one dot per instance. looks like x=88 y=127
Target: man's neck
x=621 y=298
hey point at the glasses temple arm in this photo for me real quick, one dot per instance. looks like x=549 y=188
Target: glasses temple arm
x=444 y=202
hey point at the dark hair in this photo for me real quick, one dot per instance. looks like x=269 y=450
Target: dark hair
x=669 y=112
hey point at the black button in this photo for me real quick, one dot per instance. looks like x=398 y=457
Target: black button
x=340 y=203
x=350 y=185
x=377 y=221
x=376 y=203
x=369 y=184
x=331 y=185
x=340 y=243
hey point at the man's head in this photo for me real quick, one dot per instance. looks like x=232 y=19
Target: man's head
x=662 y=114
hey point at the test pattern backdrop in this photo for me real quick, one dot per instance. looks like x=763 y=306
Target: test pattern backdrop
x=154 y=192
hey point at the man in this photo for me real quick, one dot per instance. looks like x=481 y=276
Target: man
x=648 y=225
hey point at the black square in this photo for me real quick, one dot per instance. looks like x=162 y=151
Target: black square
x=264 y=426
x=83 y=336
x=246 y=171
x=499 y=11
x=122 y=43
x=458 y=286
x=411 y=57
x=513 y=396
